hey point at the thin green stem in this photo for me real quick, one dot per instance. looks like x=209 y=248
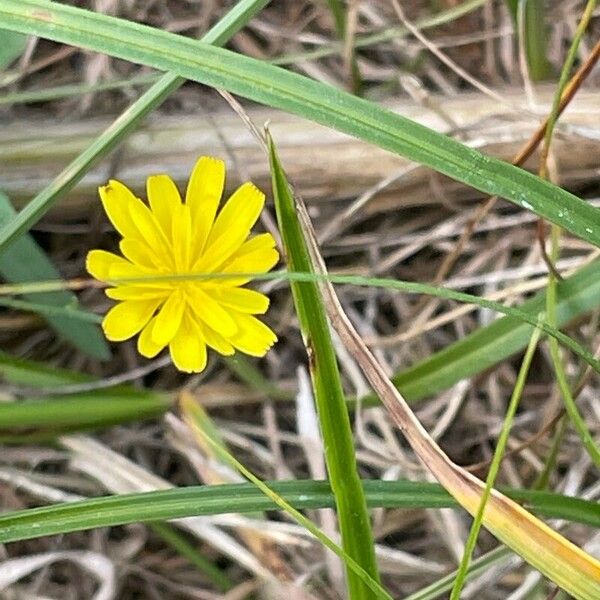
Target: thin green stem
x=76 y=89
x=529 y=15
x=495 y=465
x=571 y=407
x=562 y=82
x=391 y=33
x=551 y=295
x=525 y=314
x=391 y=284
x=477 y=567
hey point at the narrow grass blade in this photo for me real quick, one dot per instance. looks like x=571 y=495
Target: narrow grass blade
x=477 y=567
x=220 y=33
x=24 y=261
x=339 y=13
x=44 y=419
x=11 y=47
x=246 y=498
x=577 y=295
x=495 y=465
x=75 y=89
x=487 y=346
x=278 y=88
x=194 y=416
x=353 y=518
x=23 y=372
x=176 y=540
x=359 y=280
x=389 y=33
x=561 y=376
x=535 y=30
x=220 y=467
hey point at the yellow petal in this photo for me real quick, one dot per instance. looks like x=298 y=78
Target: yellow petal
x=116 y=199
x=139 y=253
x=164 y=199
x=253 y=336
x=188 y=349
x=124 y=270
x=137 y=292
x=260 y=261
x=211 y=312
x=262 y=241
x=240 y=299
x=145 y=345
x=255 y=256
x=98 y=263
x=203 y=195
x=232 y=227
x=215 y=340
x=182 y=238
x=127 y=318
x=168 y=319
x=150 y=231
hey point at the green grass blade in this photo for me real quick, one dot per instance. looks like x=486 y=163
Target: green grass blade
x=11 y=47
x=389 y=33
x=220 y=33
x=477 y=567
x=353 y=517
x=24 y=261
x=577 y=295
x=245 y=497
x=487 y=346
x=294 y=93
x=339 y=14
x=75 y=89
x=44 y=419
x=535 y=30
x=361 y=41
x=206 y=434
x=561 y=376
x=20 y=371
x=176 y=540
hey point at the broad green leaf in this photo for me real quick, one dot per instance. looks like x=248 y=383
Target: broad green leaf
x=294 y=93
x=245 y=497
x=24 y=261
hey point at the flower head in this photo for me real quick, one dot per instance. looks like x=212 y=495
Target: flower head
x=171 y=237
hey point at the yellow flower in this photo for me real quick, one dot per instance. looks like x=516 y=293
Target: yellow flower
x=175 y=238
